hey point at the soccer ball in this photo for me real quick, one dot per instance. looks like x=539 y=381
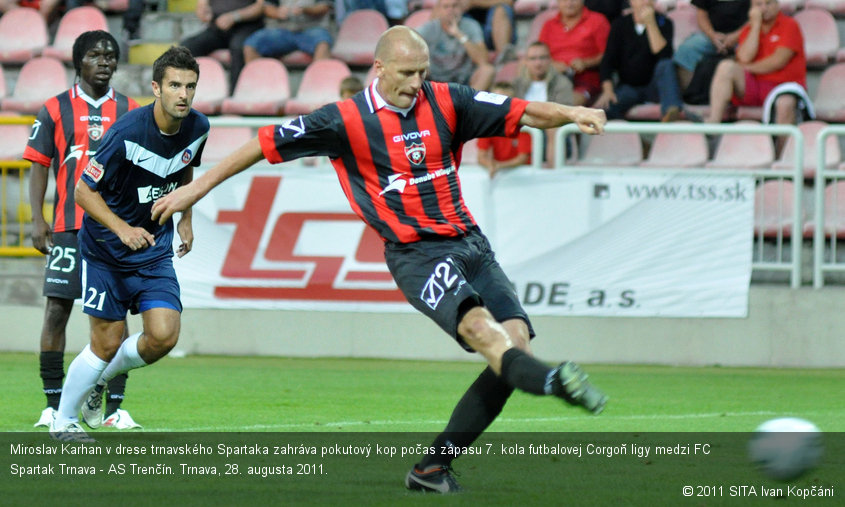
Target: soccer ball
x=785 y=448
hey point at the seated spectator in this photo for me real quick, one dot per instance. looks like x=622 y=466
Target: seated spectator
x=719 y=24
x=639 y=51
x=497 y=153
x=297 y=25
x=456 y=47
x=577 y=39
x=229 y=23
x=539 y=81
x=350 y=86
x=497 y=19
x=770 y=52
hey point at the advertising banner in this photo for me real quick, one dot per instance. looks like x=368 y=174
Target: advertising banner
x=615 y=244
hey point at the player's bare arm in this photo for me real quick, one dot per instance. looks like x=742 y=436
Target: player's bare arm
x=93 y=204
x=544 y=115
x=42 y=236
x=184 y=197
x=185 y=225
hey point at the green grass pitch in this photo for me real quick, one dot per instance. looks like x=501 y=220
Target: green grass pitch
x=360 y=402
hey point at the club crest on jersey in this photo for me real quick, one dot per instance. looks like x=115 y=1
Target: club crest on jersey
x=187 y=156
x=94 y=170
x=95 y=132
x=415 y=153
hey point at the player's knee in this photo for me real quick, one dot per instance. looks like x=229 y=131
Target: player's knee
x=477 y=328
x=56 y=314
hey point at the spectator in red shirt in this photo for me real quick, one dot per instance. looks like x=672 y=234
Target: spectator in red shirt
x=497 y=153
x=770 y=52
x=577 y=39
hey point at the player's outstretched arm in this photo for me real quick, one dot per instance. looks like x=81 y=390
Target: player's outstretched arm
x=544 y=115
x=184 y=197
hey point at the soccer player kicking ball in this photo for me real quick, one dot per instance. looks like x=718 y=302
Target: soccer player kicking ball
x=127 y=257
x=396 y=148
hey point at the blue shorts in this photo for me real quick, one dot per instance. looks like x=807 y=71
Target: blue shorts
x=693 y=49
x=108 y=295
x=276 y=42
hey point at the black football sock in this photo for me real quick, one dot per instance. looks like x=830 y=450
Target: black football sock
x=52 y=373
x=117 y=387
x=526 y=373
x=477 y=409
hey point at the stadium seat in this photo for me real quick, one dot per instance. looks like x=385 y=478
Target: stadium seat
x=840 y=55
x=821 y=37
x=835 y=7
x=790 y=6
x=665 y=151
x=537 y=25
x=619 y=150
x=418 y=18
x=684 y=19
x=644 y=112
x=23 y=35
x=320 y=85
x=13 y=140
x=830 y=95
x=73 y=23
x=222 y=141
x=664 y=6
x=262 y=89
x=810 y=129
x=744 y=151
x=507 y=72
x=213 y=88
x=529 y=8
x=774 y=206
x=297 y=59
x=39 y=79
x=469 y=154
x=371 y=76
x=834 y=212
x=357 y=36
x=223 y=56
x=751 y=113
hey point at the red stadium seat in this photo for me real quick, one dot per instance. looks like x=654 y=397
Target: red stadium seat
x=830 y=95
x=371 y=76
x=213 y=88
x=834 y=212
x=836 y=7
x=618 y=150
x=298 y=59
x=263 y=88
x=222 y=141
x=665 y=151
x=508 y=72
x=357 y=37
x=821 y=37
x=810 y=129
x=744 y=151
x=13 y=140
x=23 y=35
x=223 y=56
x=537 y=25
x=73 y=23
x=418 y=18
x=774 y=207
x=320 y=85
x=684 y=19
x=531 y=7
x=40 y=79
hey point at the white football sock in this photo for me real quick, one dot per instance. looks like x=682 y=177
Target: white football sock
x=127 y=358
x=82 y=375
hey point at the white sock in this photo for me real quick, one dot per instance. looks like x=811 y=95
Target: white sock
x=82 y=375
x=127 y=358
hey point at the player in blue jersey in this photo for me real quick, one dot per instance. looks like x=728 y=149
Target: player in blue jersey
x=126 y=256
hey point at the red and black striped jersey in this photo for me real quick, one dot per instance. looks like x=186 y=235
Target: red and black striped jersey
x=65 y=134
x=399 y=169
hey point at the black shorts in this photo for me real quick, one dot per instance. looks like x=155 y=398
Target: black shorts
x=62 y=273
x=439 y=275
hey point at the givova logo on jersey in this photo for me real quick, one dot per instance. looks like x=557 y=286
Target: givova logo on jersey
x=151 y=194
